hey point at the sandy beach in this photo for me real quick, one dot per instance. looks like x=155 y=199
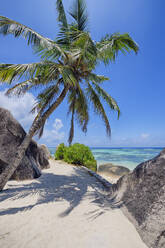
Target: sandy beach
x=65 y=207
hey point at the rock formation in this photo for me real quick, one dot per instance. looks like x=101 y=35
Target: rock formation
x=110 y=169
x=142 y=196
x=45 y=151
x=11 y=136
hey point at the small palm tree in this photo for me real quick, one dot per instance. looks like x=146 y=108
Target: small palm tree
x=66 y=69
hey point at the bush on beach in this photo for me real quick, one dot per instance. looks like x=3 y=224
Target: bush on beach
x=59 y=154
x=77 y=154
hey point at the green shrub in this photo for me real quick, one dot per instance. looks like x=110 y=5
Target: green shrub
x=59 y=154
x=81 y=155
x=91 y=164
x=76 y=154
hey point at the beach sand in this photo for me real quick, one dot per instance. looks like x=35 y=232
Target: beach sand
x=65 y=207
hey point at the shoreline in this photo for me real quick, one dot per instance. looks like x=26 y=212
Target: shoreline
x=132 y=156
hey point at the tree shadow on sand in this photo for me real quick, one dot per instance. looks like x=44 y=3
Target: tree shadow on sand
x=54 y=188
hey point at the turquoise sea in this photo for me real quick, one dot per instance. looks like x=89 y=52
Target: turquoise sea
x=128 y=157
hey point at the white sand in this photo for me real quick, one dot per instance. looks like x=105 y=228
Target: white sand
x=65 y=207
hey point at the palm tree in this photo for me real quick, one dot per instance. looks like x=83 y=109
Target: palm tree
x=66 y=69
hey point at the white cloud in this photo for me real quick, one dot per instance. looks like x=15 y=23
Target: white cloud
x=145 y=135
x=53 y=135
x=19 y=107
x=57 y=124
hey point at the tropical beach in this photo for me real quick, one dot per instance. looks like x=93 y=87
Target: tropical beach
x=82 y=157
x=65 y=207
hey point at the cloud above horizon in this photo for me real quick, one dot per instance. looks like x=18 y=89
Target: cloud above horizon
x=52 y=134
x=145 y=135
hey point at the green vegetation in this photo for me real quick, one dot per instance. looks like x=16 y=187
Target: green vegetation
x=59 y=155
x=77 y=154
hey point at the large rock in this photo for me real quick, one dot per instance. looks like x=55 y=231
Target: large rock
x=11 y=136
x=110 y=169
x=45 y=150
x=111 y=172
x=142 y=196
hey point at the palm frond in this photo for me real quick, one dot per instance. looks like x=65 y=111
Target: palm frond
x=79 y=105
x=109 y=46
x=8 y=26
x=81 y=110
x=41 y=129
x=97 y=78
x=11 y=72
x=68 y=76
x=19 y=89
x=109 y=100
x=98 y=107
x=79 y=14
x=87 y=50
x=61 y=14
x=45 y=98
x=48 y=54
x=44 y=115
x=67 y=35
x=45 y=70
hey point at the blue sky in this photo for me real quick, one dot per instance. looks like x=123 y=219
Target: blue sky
x=137 y=81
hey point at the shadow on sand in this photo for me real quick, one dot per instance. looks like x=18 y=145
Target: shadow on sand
x=52 y=188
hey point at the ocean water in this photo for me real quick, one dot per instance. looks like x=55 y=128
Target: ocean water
x=128 y=157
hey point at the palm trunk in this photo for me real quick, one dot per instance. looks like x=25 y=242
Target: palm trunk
x=19 y=154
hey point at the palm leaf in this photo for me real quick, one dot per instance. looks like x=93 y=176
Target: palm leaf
x=67 y=35
x=87 y=50
x=98 y=107
x=46 y=70
x=81 y=110
x=61 y=14
x=48 y=54
x=109 y=100
x=79 y=14
x=109 y=46
x=46 y=97
x=19 y=89
x=11 y=72
x=68 y=76
x=44 y=115
x=97 y=78
x=8 y=26
x=78 y=107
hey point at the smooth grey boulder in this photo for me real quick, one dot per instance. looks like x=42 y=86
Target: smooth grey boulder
x=45 y=150
x=11 y=136
x=110 y=169
x=142 y=197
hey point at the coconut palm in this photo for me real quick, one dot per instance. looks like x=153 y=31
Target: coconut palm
x=66 y=70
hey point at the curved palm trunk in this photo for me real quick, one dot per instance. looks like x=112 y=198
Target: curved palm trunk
x=14 y=163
